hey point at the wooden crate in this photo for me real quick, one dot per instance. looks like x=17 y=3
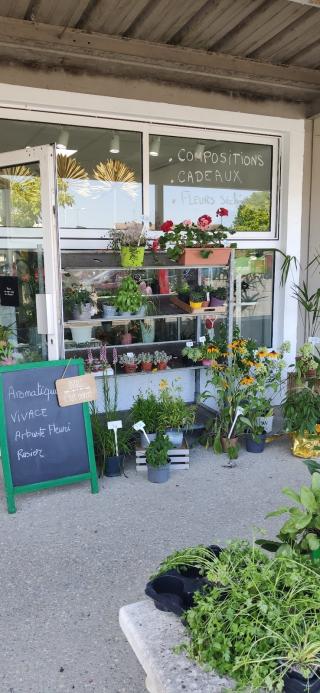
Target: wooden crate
x=187 y=308
x=179 y=457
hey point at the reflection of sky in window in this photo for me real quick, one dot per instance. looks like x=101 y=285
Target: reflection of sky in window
x=97 y=206
x=181 y=203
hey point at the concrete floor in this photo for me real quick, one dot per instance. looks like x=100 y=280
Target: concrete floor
x=70 y=559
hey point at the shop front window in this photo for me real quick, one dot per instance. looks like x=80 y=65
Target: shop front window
x=190 y=177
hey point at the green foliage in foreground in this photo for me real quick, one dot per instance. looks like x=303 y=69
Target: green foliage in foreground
x=260 y=618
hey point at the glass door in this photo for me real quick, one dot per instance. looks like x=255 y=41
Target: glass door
x=30 y=294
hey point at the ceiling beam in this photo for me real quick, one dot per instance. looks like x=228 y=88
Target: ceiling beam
x=314 y=3
x=45 y=45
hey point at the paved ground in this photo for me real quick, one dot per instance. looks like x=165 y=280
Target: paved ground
x=69 y=560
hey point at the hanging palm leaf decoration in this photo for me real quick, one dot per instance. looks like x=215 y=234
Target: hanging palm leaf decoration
x=68 y=167
x=10 y=174
x=113 y=171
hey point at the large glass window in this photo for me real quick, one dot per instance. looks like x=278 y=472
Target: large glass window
x=99 y=171
x=190 y=177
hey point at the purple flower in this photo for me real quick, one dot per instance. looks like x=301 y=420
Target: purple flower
x=114 y=356
x=89 y=357
x=103 y=354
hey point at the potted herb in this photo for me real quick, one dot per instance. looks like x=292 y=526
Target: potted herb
x=131 y=240
x=158 y=463
x=108 y=307
x=146 y=361
x=175 y=414
x=161 y=359
x=146 y=407
x=129 y=363
x=129 y=298
x=197 y=296
x=192 y=243
x=184 y=291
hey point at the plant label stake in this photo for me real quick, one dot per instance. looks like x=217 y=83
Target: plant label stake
x=189 y=344
x=239 y=411
x=113 y=426
x=202 y=340
x=140 y=426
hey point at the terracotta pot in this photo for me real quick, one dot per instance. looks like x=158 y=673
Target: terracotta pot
x=228 y=443
x=146 y=366
x=162 y=366
x=130 y=369
x=216 y=257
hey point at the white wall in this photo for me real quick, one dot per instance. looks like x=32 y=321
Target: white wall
x=314 y=238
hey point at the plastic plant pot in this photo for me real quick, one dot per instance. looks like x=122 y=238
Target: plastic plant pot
x=294 y=682
x=80 y=335
x=108 y=311
x=82 y=312
x=158 y=475
x=143 y=441
x=255 y=445
x=113 y=465
x=196 y=305
x=175 y=437
x=216 y=302
x=131 y=257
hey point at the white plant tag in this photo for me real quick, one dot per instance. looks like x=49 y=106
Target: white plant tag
x=114 y=425
x=202 y=340
x=189 y=344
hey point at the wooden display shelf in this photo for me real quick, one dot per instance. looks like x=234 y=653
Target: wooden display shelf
x=198 y=311
x=179 y=457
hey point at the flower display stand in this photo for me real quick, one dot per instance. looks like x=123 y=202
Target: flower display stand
x=179 y=457
x=153 y=635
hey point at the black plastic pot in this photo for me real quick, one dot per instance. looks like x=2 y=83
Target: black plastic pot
x=174 y=591
x=296 y=683
x=255 y=445
x=114 y=465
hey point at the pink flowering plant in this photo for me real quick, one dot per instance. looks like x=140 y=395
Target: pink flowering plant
x=188 y=234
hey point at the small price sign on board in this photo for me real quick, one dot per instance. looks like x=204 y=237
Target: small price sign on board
x=81 y=388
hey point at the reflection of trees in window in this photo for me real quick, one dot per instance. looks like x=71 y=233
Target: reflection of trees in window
x=254 y=213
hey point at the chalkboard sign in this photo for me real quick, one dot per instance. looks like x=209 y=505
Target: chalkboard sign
x=43 y=444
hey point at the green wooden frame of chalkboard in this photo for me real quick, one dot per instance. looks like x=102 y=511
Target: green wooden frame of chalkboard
x=10 y=488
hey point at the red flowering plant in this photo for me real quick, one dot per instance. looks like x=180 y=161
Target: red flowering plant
x=188 y=234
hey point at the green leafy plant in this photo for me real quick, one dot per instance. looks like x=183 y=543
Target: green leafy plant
x=131 y=235
x=301 y=410
x=259 y=619
x=161 y=357
x=220 y=293
x=305 y=362
x=157 y=451
x=146 y=407
x=197 y=295
x=195 y=556
x=308 y=302
x=301 y=532
x=174 y=412
x=145 y=357
x=103 y=438
x=128 y=360
x=129 y=298
x=76 y=296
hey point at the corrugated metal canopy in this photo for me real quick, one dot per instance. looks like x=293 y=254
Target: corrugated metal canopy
x=262 y=48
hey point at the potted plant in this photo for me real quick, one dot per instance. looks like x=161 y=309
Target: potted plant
x=175 y=414
x=158 y=463
x=161 y=359
x=192 y=243
x=129 y=363
x=109 y=463
x=218 y=296
x=131 y=240
x=77 y=300
x=146 y=361
x=129 y=298
x=148 y=330
x=301 y=411
x=197 y=296
x=306 y=365
x=256 y=412
x=146 y=407
x=183 y=290
x=108 y=306
x=6 y=347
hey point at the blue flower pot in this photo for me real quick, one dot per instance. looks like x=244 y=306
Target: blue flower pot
x=255 y=445
x=158 y=475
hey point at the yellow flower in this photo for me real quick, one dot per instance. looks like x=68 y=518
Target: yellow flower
x=247 y=381
x=273 y=354
x=163 y=384
x=213 y=350
x=263 y=353
x=257 y=364
x=317 y=428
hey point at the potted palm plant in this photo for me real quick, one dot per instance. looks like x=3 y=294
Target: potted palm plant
x=158 y=463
